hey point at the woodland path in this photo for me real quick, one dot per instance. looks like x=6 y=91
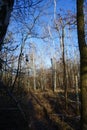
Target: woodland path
x=43 y=111
x=46 y=112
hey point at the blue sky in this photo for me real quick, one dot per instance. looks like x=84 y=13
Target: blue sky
x=68 y=4
x=45 y=48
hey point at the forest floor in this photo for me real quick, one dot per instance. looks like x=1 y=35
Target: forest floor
x=46 y=111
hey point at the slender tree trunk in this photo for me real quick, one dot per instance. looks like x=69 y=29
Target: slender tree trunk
x=83 y=62
x=53 y=62
x=64 y=66
x=77 y=94
x=34 y=72
x=41 y=78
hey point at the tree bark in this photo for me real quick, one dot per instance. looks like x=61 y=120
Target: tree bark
x=5 y=13
x=83 y=62
x=53 y=62
x=64 y=67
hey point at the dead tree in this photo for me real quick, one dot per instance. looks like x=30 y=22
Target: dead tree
x=53 y=62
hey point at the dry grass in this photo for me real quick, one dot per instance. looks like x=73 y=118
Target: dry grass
x=48 y=108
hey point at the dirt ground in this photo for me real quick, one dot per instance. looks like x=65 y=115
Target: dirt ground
x=46 y=111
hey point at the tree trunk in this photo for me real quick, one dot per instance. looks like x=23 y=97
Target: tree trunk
x=83 y=62
x=53 y=62
x=64 y=66
x=5 y=13
x=34 y=73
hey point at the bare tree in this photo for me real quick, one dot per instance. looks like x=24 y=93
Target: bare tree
x=83 y=62
x=53 y=62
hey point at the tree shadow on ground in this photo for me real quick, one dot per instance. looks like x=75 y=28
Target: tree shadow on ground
x=38 y=117
x=68 y=116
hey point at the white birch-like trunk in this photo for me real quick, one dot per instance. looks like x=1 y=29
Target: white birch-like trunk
x=34 y=73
